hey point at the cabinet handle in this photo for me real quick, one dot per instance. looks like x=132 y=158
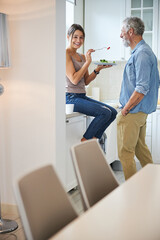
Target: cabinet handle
x=67 y=121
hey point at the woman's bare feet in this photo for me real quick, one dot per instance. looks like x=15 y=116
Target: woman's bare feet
x=84 y=139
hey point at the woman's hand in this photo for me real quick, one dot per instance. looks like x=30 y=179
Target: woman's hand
x=100 y=67
x=88 y=55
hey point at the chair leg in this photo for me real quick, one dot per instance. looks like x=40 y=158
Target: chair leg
x=7 y=225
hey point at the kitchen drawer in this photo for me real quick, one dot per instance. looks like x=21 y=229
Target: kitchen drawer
x=75 y=128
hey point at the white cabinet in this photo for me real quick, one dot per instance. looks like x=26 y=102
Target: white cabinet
x=111 y=142
x=156 y=136
x=75 y=128
x=111 y=149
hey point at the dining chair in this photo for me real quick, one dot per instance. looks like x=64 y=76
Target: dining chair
x=94 y=175
x=43 y=204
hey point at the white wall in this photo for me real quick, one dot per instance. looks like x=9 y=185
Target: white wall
x=78 y=12
x=59 y=88
x=109 y=82
x=32 y=119
x=74 y=14
x=103 y=21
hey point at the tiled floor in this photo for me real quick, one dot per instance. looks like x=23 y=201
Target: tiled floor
x=10 y=212
x=13 y=214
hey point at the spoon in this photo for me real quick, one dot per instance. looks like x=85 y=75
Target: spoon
x=102 y=48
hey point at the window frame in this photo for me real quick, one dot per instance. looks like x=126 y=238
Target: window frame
x=155 y=23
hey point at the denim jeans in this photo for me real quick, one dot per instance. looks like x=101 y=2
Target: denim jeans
x=103 y=114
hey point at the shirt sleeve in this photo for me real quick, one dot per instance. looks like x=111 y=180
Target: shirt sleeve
x=143 y=67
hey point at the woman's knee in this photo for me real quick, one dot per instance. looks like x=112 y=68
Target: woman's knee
x=107 y=113
x=111 y=113
x=114 y=113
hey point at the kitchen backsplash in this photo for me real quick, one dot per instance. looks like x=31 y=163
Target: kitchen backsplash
x=108 y=81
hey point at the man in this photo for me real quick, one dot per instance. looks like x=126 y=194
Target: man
x=138 y=97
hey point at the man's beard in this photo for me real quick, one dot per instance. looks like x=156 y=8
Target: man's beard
x=126 y=42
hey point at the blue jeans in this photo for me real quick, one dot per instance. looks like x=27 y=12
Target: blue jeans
x=104 y=114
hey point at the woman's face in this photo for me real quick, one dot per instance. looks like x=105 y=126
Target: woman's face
x=77 y=40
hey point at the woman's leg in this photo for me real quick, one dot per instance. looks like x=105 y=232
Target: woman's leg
x=103 y=114
x=106 y=124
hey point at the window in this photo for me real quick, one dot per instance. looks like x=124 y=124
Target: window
x=74 y=14
x=144 y=10
x=148 y=11
x=69 y=16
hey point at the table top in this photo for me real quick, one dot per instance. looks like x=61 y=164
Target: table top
x=130 y=212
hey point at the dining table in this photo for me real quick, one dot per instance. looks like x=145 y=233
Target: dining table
x=130 y=212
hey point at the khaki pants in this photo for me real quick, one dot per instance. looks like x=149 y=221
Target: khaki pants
x=131 y=132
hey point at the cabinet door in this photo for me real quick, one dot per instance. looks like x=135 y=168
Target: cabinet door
x=156 y=136
x=75 y=128
x=111 y=148
x=111 y=142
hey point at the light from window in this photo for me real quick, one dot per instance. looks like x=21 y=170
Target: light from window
x=69 y=16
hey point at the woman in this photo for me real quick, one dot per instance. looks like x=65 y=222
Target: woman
x=77 y=76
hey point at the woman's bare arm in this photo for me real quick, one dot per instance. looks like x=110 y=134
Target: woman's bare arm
x=71 y=73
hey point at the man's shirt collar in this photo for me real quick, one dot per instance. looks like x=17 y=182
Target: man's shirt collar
x=138 y=45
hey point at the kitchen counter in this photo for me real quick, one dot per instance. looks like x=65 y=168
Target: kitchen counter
x=116 y=104
x=74 y=114
x=113 y=103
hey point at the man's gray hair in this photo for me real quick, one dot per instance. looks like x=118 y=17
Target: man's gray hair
x=136 y=23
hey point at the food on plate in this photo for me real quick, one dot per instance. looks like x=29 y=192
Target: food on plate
x=105 y=61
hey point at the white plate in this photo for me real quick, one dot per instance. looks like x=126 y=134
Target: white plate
x=105 y=63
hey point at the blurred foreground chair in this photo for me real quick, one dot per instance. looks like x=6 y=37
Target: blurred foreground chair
x=43 y=204
x=94 y=175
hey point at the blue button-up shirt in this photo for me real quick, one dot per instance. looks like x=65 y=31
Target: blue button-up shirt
x=141 y=75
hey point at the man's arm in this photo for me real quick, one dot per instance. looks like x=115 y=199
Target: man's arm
x=135 y=98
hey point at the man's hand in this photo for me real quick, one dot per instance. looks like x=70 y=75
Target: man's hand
x=135 y=99
x=124 y=111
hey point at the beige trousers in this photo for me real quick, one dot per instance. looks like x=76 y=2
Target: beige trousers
x=131 y=132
